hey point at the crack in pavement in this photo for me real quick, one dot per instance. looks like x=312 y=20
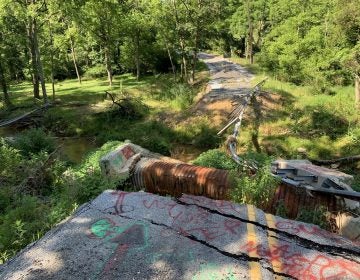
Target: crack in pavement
x=302 y=242
x=241 y=257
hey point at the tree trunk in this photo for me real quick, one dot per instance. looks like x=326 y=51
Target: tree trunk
x=171 y=61
x=193 y=65
x=108 y=65
x=194 y=58
x=137 y=55
x=34 y=69
x=183 y=61
x=250 y=39
x=4 y=87
x=183 y=65
x=39 y=63
x=357 y=91
x=52 y=63
x=73 y=54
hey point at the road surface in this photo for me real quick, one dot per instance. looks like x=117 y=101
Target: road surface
x=138 y=235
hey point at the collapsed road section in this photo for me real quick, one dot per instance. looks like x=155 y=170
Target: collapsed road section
x=139 y=235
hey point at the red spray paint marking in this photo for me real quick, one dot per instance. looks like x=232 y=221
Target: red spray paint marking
x=296 y=228
x=301 y=266
x=127 y=152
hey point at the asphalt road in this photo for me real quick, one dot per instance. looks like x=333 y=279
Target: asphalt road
x=227 y=79
x=139 y=235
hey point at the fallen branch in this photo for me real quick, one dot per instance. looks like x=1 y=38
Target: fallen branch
x=113 y=98
x=23 y=116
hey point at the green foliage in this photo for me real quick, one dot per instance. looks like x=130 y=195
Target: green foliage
x=178 y=95
x=200 y=133
x=128 y=108
x=21 y=223
x=317 y=216
x=34 y=141
x=10 y=160
x=86 y=180
x=255 y=189
x=96 y=71
x=24 y=218
x=297 y=49
x=216 y=159
x=181 y=96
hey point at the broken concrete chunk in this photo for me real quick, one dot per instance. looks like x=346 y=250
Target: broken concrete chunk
x=349 y=226
x=120 y=161
x=123 y=159
x=304 y=171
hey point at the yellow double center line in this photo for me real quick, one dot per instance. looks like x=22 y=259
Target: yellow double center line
x=255 y=267
x=273 y=244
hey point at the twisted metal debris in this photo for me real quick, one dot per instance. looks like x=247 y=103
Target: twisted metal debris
x=236 y=118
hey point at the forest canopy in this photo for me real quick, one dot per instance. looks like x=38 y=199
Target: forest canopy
x=312 y=42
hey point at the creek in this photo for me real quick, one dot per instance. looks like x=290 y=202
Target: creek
x=74 y=149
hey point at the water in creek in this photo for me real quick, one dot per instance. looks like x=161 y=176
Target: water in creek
x=75 y=149
x=72 y=149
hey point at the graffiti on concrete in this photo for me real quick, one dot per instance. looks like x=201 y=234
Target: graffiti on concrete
x=306 y=231
x=122 y=238
x=190 y=222
x=312 y=231
x=127 y=152
x=217 y=205
x=299 y=265
x=187 y=219
x=120 y=207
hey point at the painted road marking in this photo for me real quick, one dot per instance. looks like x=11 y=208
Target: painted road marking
x=255 y=268
x=272 y=243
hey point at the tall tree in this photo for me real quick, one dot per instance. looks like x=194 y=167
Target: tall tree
x=348 y=18
x=30 y=13
x=249 y=22
x=138 y=24
x=102 y=21
x=11 y=44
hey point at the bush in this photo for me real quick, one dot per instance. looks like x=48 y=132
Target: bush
x=21 y=224
x=200 y=133
x=10 y=160
x=216 y=159
x=155 y=144
x=315 y=216
x=96 y=71
x=34 y=141
x=253 y=189
x=128 y=108
x=86 y=181
x=179 y=95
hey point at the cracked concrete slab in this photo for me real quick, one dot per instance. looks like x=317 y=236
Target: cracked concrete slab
x=138 y=235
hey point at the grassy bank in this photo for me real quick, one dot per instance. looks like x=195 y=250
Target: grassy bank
x=300 y=123
x=147 y=113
